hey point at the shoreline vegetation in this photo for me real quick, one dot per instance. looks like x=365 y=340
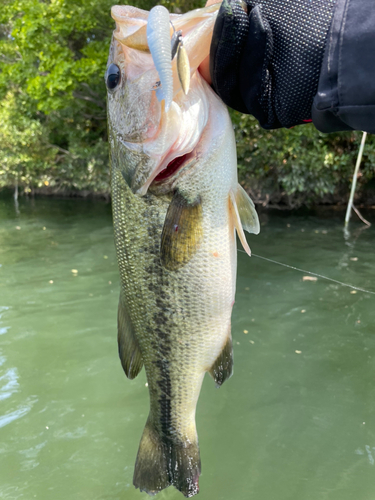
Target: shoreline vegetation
x=281 y=202
x=53 y=132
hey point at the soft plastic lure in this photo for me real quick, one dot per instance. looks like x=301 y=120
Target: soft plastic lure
x=159 y=43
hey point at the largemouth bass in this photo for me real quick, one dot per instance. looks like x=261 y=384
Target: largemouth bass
x=176 y=206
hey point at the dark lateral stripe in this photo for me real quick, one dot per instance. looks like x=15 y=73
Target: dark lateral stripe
x=165 y=386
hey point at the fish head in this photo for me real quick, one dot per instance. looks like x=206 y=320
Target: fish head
x=151 y=141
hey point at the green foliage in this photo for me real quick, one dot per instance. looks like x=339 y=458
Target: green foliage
x=53 y=131
x=53 y=55
x=300 y=165
x=24 y=154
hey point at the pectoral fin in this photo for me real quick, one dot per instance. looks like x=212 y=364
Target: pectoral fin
x=128 y=348
x=246 y=210
x=244 y=215
x=182 y=232
x=222 y=369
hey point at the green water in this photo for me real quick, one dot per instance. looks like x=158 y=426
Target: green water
x=295 y=422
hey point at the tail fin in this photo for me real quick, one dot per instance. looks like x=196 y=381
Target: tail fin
x=162 y=462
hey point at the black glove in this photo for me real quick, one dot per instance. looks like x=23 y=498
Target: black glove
x=266 y=57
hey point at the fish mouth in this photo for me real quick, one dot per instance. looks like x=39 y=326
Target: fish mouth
x=169 y=169
x=177 y=145
x=173 y=168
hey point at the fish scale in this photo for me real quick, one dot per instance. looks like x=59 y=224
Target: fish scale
x=176 y=249
x=180 y=335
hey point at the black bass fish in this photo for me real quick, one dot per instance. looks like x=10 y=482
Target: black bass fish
x=176 y=207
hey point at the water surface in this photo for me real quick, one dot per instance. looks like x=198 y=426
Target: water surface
x=295 y=422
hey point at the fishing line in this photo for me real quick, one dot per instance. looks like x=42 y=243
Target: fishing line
x=310 y=272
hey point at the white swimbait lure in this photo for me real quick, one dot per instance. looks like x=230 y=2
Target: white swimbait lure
x=159 y=43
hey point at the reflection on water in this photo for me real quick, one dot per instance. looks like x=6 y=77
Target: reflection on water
x=9 y=379
x=14 y=415
x=295 y=422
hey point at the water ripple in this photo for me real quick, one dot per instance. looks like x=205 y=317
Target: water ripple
x=16 y=414
x=11 y=385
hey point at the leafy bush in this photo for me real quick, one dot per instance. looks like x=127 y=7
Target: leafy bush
x=300 y=165
x=25 y=157
x=53 y=131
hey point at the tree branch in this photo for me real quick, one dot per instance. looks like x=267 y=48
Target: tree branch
x=92 y=92
x=94 y=117
x=88 y=98
x=62 y=150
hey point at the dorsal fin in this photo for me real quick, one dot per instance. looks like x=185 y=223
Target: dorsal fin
x=244 y=215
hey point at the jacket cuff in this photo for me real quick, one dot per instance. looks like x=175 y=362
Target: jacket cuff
x=346 y=92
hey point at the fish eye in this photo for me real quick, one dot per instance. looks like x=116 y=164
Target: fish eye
x=113 y=76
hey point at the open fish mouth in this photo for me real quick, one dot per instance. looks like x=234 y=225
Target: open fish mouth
x=162 y=170
x=166 y=171
x=158 y=154
x=173 y=167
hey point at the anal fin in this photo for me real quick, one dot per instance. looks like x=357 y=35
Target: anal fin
x=222 y=369
x=128 y=347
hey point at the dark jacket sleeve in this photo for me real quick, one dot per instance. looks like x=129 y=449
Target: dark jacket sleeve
x=346 y=92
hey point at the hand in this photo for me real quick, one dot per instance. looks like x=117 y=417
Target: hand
x=267 y=61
